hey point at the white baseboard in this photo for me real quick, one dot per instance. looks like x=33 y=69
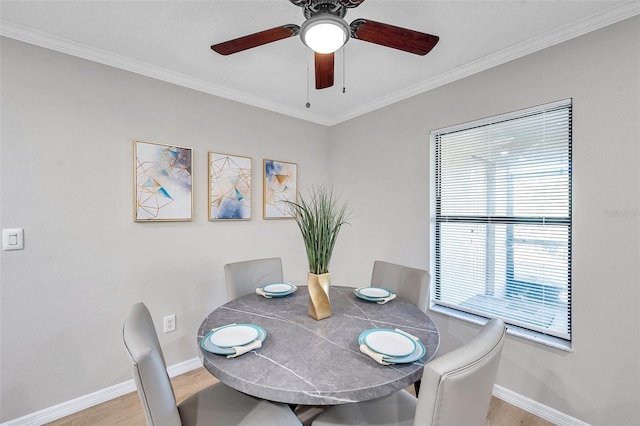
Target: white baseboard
x=184 y=367
x=81 y=403
x=544 y=412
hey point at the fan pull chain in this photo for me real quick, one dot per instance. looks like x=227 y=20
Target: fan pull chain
x=308 y=105
x=344 y=83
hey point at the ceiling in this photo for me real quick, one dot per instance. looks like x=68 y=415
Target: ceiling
x=170 y=41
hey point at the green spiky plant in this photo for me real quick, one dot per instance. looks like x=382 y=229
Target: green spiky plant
x=320 y=217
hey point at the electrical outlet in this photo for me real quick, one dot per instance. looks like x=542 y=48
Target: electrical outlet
x=170 y=323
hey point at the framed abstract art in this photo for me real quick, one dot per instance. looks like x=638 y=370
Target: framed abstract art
x=163 y=182
x=280 y=184
x=229 y=187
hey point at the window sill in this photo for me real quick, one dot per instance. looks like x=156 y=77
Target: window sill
x=533 y=336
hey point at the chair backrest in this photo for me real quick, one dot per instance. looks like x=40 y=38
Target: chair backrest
x=410 y=284
x=149 y=368
x=456 y=387
x=243 y=278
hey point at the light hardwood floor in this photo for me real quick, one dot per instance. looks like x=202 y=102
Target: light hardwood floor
x=127 y=411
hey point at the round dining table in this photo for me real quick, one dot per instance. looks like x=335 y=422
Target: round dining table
x=304 y=361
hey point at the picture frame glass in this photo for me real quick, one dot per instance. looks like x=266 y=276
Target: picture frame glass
x=230 y=187
x=163 y=182
x=280 y=184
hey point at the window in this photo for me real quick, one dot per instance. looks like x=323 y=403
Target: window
x=502 y=220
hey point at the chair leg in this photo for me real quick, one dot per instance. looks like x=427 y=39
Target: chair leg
x=416 y=386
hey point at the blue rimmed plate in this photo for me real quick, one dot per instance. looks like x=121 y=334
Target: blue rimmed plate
x=417 y=354
x=372 y=294
x=389 y=342
x=414 y=356
x=234 y=335
x=278 y=289
x=209 y=346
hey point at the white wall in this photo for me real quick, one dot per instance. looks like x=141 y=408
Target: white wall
x=383 y=161
x=67 y=179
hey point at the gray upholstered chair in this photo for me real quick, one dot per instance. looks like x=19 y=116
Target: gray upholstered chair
x=410 y=284
x=456 y=390
x=215 y=405
x=244 y=277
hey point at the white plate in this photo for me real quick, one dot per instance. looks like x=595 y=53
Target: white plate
x=234 y=335
x=412 y=357
x=277 y=288
x=375 y=292
x=206 y=344
x=390 y=342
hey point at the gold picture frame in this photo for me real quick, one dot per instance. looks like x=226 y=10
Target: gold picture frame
x=280 y=183
x=230 y=187
x=163 y=182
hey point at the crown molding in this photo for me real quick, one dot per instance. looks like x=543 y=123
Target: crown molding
x=59 y=44
x=610 y=16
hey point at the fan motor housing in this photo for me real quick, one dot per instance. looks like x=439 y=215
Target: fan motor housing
x=333 y=7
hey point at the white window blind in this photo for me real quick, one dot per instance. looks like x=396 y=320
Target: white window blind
x=502 y=208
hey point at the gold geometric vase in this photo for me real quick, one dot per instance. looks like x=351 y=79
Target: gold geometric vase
x=319 y=303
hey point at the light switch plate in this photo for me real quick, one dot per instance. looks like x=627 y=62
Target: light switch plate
x=13 y=239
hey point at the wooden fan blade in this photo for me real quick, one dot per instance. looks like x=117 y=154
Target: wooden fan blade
x=395 y=37
x=257 y=39
x=324 y=70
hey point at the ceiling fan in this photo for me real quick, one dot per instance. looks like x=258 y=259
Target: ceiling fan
x=325 y=31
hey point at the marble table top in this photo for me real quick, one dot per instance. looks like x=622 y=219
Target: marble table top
x=309 y=362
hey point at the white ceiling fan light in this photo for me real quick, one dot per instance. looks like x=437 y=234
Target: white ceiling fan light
x=325 y=33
